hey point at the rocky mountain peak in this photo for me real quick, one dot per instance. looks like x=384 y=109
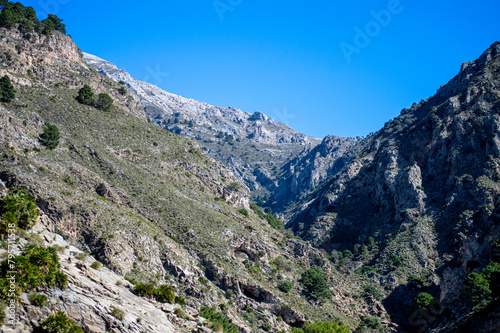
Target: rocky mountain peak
x=468 y=72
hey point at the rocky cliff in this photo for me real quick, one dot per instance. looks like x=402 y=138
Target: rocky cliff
x=423 y=192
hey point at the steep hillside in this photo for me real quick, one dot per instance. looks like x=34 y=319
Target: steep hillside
x=253 y=146
x=152 y=207
x=418 y=203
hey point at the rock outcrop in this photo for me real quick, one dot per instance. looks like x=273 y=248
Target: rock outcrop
x=424 y=188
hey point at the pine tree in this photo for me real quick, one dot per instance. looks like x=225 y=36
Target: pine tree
x=7 y=91
x=7 y=19
x=50 y=136
x=54 y=23
x=105 y=102
x=85 y=95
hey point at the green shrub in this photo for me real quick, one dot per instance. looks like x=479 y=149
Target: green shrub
x=371 y=290
x=37 y=267
x=370 y=323
x=416 y=282
x=477 y=287
x=219 y=319
x=253 y=269
x=423 y=300
x=117 y=313
x=50 y=136
x=314 y=280
x=145 y=290
x=258 y=211
x=104 y=102
x=490 y=270
x=164 y=294
x=348 y=254
x=59 y=323
x=325 y=327
x=282 y=264
x=243 y=211
x=7 y=91
x=365 y=270
x=266 y=327
x=18 y=208
x=82 y=256
x=37 y=299
x=394 y=261
x=285 y=286
x=180 y=313
x=85 y=96
x=181 y=301
x=274 y=222
x=96 y=265
x=234 y=186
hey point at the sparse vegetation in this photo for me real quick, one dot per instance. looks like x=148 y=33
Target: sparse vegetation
x=37 y=267
x=18 y=208
x=117 y=313
x=59 y=323
x=243 y=212
x=164 y=293
x=218 y=319
x=37 y=299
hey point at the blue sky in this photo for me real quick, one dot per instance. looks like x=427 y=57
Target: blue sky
x=303 y=63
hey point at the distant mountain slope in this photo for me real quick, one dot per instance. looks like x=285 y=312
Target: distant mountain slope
x=253 y=146
x=423 y=191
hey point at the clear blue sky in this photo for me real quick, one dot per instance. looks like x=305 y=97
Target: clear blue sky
x=284 y=58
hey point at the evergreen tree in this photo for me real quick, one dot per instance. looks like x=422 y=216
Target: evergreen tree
x=54 y=23
x=7 y=19
x=7 y=91
x=85 y=95
x=314 y=280
x=105 y=102
x=50 y=136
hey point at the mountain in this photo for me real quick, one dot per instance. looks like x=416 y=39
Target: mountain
x=253 y=146
x=142 y=229
x=418 y=201
x=111 y=223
